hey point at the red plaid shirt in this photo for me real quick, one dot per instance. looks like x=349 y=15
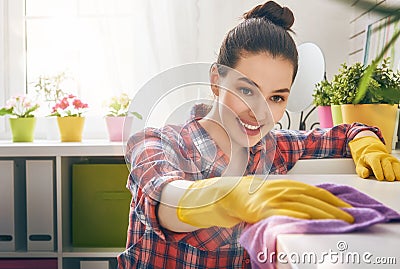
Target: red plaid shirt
x=159 y=156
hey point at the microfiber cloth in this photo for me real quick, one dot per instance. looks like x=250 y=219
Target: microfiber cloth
x=366 y=212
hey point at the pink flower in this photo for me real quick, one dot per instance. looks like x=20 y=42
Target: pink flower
x=19 y=106
x=69 y=106
x=79 y=104
x=64 y=103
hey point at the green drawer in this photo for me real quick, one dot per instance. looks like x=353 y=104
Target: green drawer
x=100 y=205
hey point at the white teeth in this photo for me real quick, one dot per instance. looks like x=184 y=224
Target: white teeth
x=248 y=126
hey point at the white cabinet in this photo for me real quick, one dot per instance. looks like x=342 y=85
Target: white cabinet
x=40 y=205
x=36 y=203
x=7 y=221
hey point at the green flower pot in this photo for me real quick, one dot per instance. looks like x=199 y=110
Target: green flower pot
x=22 y=129
x=336 y=114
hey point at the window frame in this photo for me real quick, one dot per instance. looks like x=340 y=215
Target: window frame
x=12 y=55
x=13 y=72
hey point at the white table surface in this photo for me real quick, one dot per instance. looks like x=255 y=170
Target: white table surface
x=380 y=240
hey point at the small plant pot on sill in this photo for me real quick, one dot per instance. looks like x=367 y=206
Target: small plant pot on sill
x=118 y=128
x=325 y=116
x=22 y=129
x=382 y=116
x=336 y=114
x=71 y=128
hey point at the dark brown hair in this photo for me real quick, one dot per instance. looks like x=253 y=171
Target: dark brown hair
x=265 y=29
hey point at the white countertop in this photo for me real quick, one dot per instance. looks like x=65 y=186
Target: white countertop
x=40 y=148
x=376 y=242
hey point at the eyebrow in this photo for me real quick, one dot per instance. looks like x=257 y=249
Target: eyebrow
x=249 y=81
x=282 y=90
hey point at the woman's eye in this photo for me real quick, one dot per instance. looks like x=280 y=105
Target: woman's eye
x=246 y=91
x=277 y=99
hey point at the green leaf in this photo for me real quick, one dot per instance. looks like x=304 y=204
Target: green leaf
x=29 y=111
x=137 y=115
x=373 y=6
x=4 y=111
x=368 y=73
x=322 y=93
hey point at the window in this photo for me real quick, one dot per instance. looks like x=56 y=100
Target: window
x=105 y=47
x=91 y=41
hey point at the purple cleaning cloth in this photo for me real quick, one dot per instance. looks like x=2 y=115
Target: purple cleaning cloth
x=262 y=235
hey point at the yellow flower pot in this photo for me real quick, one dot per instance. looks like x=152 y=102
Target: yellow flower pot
x=71 y=128
x=382 y=116
x=22 y=129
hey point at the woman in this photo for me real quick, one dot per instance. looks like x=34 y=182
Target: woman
x=191 y=191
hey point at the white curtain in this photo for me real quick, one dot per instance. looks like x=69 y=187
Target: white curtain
x=110 y=47
x=172 y=33
x=165 y=35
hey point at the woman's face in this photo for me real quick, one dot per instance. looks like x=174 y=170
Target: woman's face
x=253 y=97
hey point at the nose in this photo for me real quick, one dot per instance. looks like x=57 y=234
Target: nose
x=260 y=112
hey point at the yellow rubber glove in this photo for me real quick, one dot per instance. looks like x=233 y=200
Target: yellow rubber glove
x=226 y=201
x=370 y=155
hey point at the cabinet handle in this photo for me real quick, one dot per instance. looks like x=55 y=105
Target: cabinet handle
x=5 y=237
x=40 y=237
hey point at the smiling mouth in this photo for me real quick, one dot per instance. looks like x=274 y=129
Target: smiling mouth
x=249 y=126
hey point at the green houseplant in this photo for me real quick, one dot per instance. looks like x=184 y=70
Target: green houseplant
x=119 y=119
x=322 y=100
x=21 y=108
x=382 y=88
x=378 y=103
x=384 y=11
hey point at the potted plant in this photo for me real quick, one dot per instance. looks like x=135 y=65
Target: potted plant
x=48 y=88
x=69 y=112
x=378 y=104
x=322 y=101
x=118 y=118
x=22 y=120
x=344 y=88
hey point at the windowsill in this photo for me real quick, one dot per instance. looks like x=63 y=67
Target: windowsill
x=55 y=148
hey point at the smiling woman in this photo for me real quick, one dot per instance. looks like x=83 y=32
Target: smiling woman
x=193 y=183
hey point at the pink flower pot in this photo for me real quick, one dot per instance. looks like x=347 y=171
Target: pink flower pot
x=119 y=128
x=325 y=116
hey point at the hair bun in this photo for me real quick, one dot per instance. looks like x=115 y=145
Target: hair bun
x=281 y=16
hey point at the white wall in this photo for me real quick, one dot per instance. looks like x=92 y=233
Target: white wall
x=324 y=22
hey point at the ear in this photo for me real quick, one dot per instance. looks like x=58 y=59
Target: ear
x=214 y=79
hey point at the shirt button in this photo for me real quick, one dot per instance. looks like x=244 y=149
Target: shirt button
x=247 y=261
